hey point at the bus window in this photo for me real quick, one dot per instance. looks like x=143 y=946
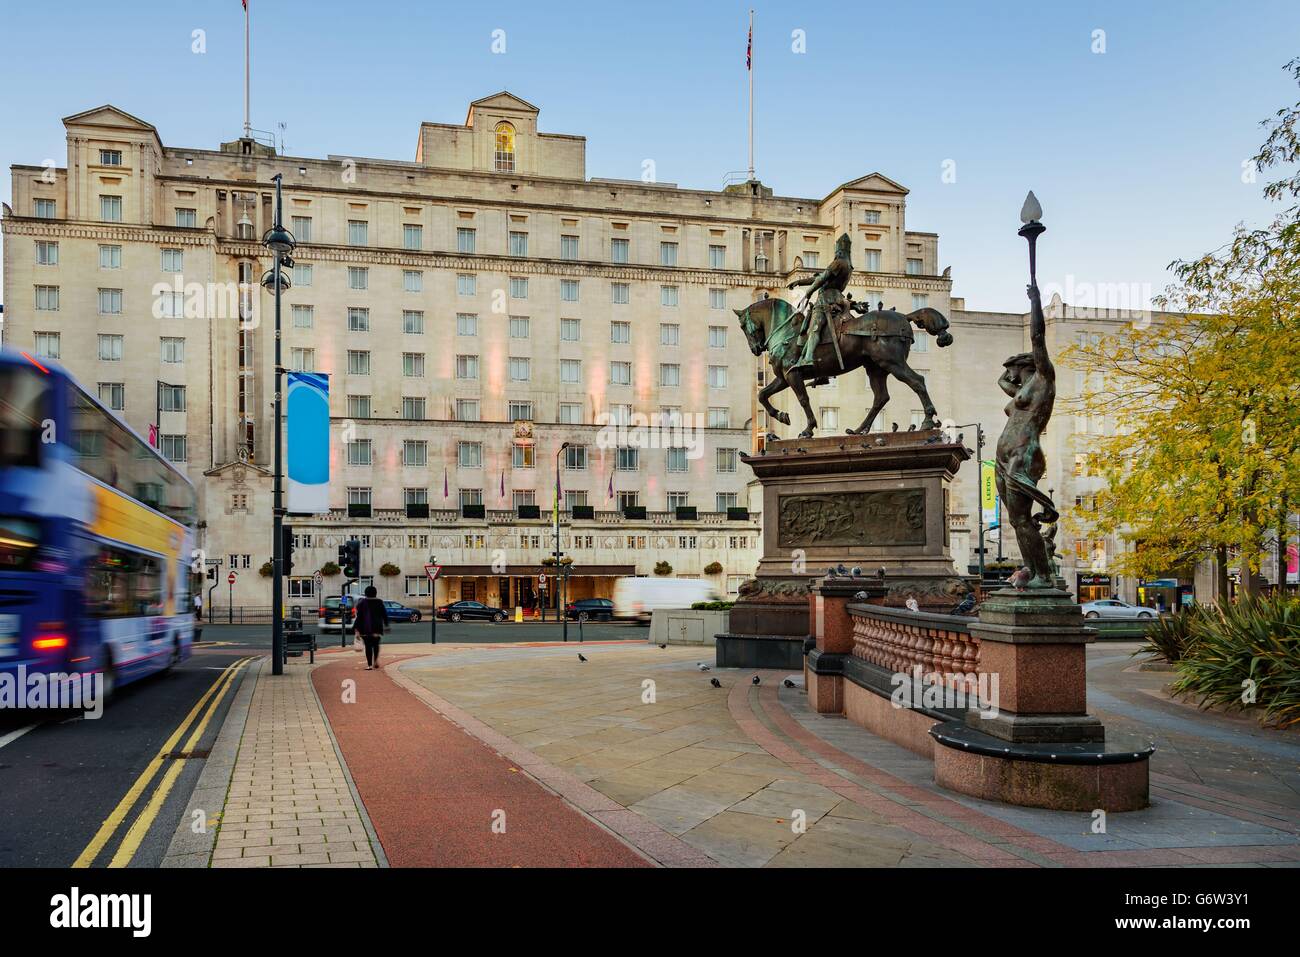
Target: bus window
x=123 y=584
x=24 y=411
x=19 y=540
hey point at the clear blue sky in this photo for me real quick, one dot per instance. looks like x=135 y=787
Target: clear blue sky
x=1135 y=153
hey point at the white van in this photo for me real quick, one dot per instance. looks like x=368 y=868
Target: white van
x=639 y=597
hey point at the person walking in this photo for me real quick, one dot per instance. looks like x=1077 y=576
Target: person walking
x=371 y=623
x=198 y=607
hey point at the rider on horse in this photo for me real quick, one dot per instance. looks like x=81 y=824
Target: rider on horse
x=829 y=286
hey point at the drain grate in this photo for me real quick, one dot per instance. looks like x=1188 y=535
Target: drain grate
x=186 y=755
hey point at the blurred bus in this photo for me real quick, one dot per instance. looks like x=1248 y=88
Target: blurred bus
x=96 y=535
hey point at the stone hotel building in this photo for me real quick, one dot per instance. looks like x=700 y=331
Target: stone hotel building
x=475 y=308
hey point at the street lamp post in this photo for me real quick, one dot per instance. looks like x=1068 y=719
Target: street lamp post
x=559 y=612
x=281 y=243
x=979 y=496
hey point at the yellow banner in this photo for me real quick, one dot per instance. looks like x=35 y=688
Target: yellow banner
x=988 y=492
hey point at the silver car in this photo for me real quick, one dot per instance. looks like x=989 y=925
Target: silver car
x=1114 y=608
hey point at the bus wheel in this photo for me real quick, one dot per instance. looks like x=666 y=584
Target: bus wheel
x=176 y=655
x=110 y=679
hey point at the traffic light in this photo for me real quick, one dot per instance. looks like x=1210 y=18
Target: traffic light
x=286 y=549
x=350 y=553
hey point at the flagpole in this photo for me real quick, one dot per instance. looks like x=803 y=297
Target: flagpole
x=248 y=129
x=751 y=94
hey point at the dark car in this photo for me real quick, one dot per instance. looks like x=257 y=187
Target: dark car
x=399 y=612
x=470 y=611
x=590 y=609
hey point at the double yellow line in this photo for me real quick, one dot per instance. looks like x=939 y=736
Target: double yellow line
x=135 y=834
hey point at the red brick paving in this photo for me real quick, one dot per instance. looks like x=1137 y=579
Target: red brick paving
x=431 y=789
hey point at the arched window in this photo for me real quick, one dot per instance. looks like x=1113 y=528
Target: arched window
x=505 y=148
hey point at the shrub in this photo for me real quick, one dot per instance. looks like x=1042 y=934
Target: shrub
x=267 y=570
x=712 y=606
x=713 y=568
x=389 y=570
x=329 y=569
x=1251 y=641
x=663 y=568
x=1170 y=636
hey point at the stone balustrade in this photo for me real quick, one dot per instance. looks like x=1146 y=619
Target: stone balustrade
x=899 y=640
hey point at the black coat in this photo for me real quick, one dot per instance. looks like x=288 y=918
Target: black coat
x=372 y=617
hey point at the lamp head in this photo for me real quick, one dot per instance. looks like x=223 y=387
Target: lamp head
x=279 y=240
x=1032 y=211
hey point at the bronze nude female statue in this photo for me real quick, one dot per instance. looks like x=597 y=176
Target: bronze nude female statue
x=1030 y=380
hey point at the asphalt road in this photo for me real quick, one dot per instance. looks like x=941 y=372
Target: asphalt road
x=63 y=777
x=259 y=636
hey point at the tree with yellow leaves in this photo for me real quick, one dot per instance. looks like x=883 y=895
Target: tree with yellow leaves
x=1205 y=459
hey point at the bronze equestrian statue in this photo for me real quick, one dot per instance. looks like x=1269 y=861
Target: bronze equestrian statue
x=838 y=337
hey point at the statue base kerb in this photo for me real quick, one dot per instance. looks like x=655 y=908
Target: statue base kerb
x=871 y=502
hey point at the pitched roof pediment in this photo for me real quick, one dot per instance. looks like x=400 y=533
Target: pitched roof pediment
x=109 y=116
x=504 y=100
x=875 y=182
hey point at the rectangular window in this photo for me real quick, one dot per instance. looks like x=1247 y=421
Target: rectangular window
x=110 y=257
x=43 y=208
x=620 y=293
x=717 y=337
x=719 y=418
x=668 y=296
x=668 y=254
x=301 y=226
x=914 y=267
x=809 y=259
x=717 y=377
x=871 y=260
x=570 y=413
x=412 y=322
x=304 y=317
x=110 y=348
x=921 y=341
x=871 y=217
x=520 y=369
x=187 y=218
x=518 y=327
x=521 y=457
x=678 y=500
x=618 y=250
x=110 y=157
x=571 y=371
x=302 y=360
x=415 y=453
x=518 y=287
x=726 y=460
x=173 y=398
x=113 y=395
x=171 y=305
x=570 y=330
x=467 y=410
x=412 y=280
x=302 y=274
x=670 y=334
x=413 y=407
x=466 y=324
x=358 y=362
x=415 y=496
x=173 y=448
x=360 y=452
x=467 y=367
x=358 y=319
x=469 y=455
x=717 y=299
x=466 y=284
x=523 y=497
x=670 y=374
x=47 y=254
x=173 y=260
x=358 y=277
x=358 y=496
x=518 y=243
x=464 y=240
x=620 y=332
x=568 y=290
x=110 y=209
x=575 y=458
x=358 y=407
x=676 y=460
x=717 y=257
x=920 y=300
x=413 y=365
x=628 y=460
x=412 y=236
x=517 y=410
x=568 y=247
x=830 y=418
x=46 y=345
x=620 y=373
x=358 y=232
x=110 y=302
x=47 y=298
x=172 y=349
x=724 y=500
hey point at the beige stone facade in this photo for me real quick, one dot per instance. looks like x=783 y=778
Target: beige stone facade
x=487 y=286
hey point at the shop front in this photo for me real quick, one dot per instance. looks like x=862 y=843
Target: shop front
x=1166 y=594
x=526 y=586
x=1093 y=587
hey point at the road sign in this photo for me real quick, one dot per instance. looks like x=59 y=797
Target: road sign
x=541 y=579
x=230 y=579
x=432 y=571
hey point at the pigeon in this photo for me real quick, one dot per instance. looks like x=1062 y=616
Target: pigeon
x=715 y=682
x=801 y=450
x=830 y=572
x=581 y=656
x=754 y=680
x=961 y=438
x=702 y=666
x=841 y=570
x=894 y=426
x=860 y=596
x=1020 y=579
x=880 y=441
x=787 y=683
x=912 y=427
x=880 y=572
x=857 y=571
x=663 y=646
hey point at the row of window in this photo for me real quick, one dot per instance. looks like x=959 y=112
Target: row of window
x=415 y=408
x=363 y=495
x=48 y=345
x=469 y=455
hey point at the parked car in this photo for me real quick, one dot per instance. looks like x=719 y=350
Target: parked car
x=639 y=597
x=335 y=612
x=589 y=609
x=1114 y=608
x=399 y=612
x=471 y=611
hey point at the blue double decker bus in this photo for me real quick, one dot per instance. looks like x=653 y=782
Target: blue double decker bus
x=96 y=536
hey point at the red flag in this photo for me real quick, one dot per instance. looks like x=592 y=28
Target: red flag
x=611 y=487
x=749 y=49
x=153 y=435
x=245 y=6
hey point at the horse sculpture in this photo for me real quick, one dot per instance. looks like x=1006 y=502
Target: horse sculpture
x=877 y=341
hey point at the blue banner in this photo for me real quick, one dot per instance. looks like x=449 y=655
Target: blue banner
x=307 y=413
